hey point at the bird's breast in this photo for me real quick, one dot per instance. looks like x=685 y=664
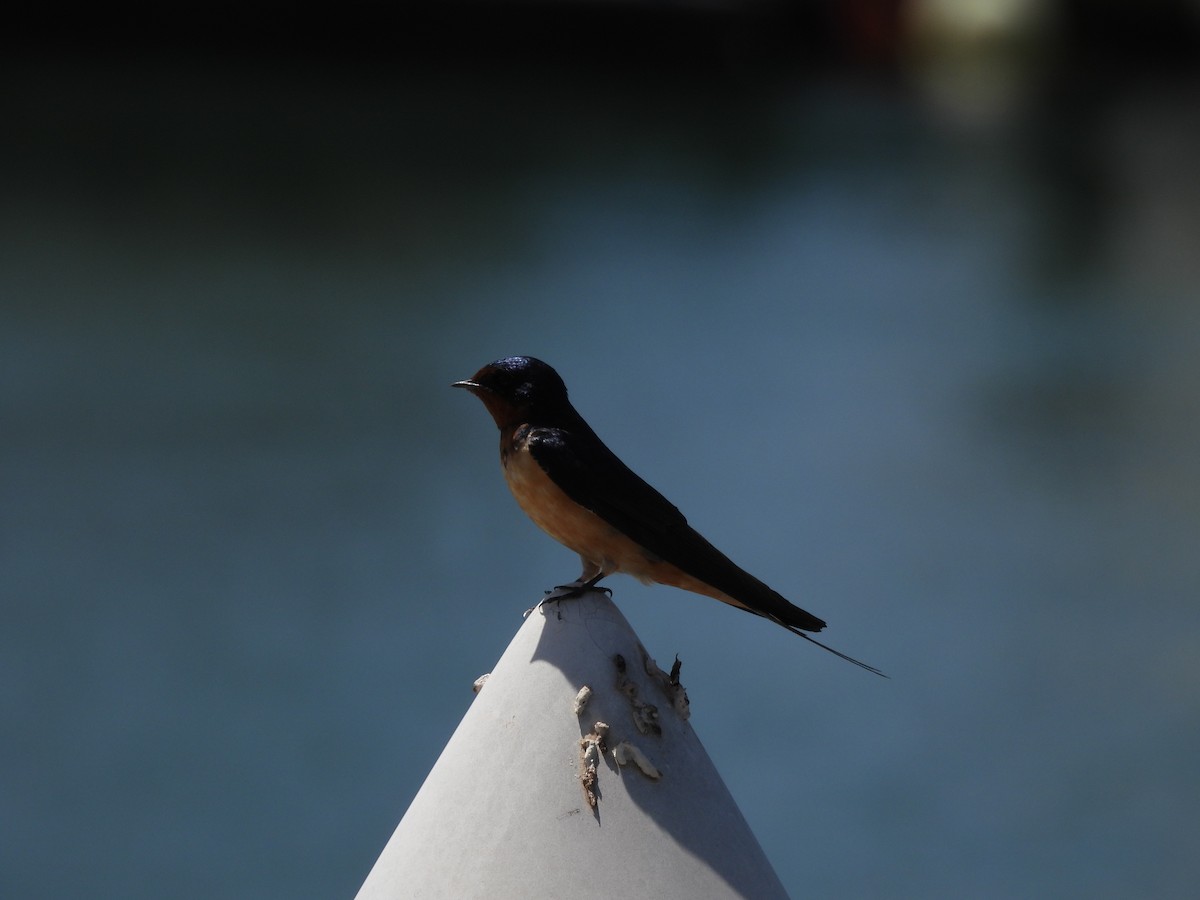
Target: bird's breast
x=563 y=519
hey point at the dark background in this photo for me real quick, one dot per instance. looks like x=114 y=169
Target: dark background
x=896 y=300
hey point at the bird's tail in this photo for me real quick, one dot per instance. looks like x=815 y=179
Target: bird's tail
x=838 y=653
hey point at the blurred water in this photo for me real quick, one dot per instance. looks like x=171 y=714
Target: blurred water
x=936 y=382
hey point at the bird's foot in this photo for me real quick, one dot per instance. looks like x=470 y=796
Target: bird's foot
x=566 y=591
x=572 y=590
x=590 y=584
x=576 y=588
x=559 y=593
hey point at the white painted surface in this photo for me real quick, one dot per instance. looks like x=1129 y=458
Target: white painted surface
x=503 y=814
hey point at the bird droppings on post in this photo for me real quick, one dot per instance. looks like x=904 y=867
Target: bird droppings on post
x=478 y=683
x=627 y=752
x=581 y=700
x=593 y=746
x=645 y=715
x=591 y=749
x=669 y=683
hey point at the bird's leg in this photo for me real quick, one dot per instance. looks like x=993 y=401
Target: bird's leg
x=591 y=574
x=590 y=584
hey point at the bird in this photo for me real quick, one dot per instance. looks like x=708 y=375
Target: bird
x=581 y=494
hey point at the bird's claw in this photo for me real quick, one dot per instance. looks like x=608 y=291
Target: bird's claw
x=564 y=591
x=572 y=590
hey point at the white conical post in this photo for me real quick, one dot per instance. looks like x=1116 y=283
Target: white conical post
x=505 y=813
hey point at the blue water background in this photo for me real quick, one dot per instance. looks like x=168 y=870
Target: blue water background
x=935 y=377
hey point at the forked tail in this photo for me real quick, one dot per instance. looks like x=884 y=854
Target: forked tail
x=838 y=653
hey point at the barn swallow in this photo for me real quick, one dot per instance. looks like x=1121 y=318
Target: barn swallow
x=582 y=495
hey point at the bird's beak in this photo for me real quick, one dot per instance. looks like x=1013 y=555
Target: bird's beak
x=468 y=384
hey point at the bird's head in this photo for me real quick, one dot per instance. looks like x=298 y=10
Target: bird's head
x=519 y=389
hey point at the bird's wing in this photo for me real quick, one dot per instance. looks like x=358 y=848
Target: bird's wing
x=595 y=478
